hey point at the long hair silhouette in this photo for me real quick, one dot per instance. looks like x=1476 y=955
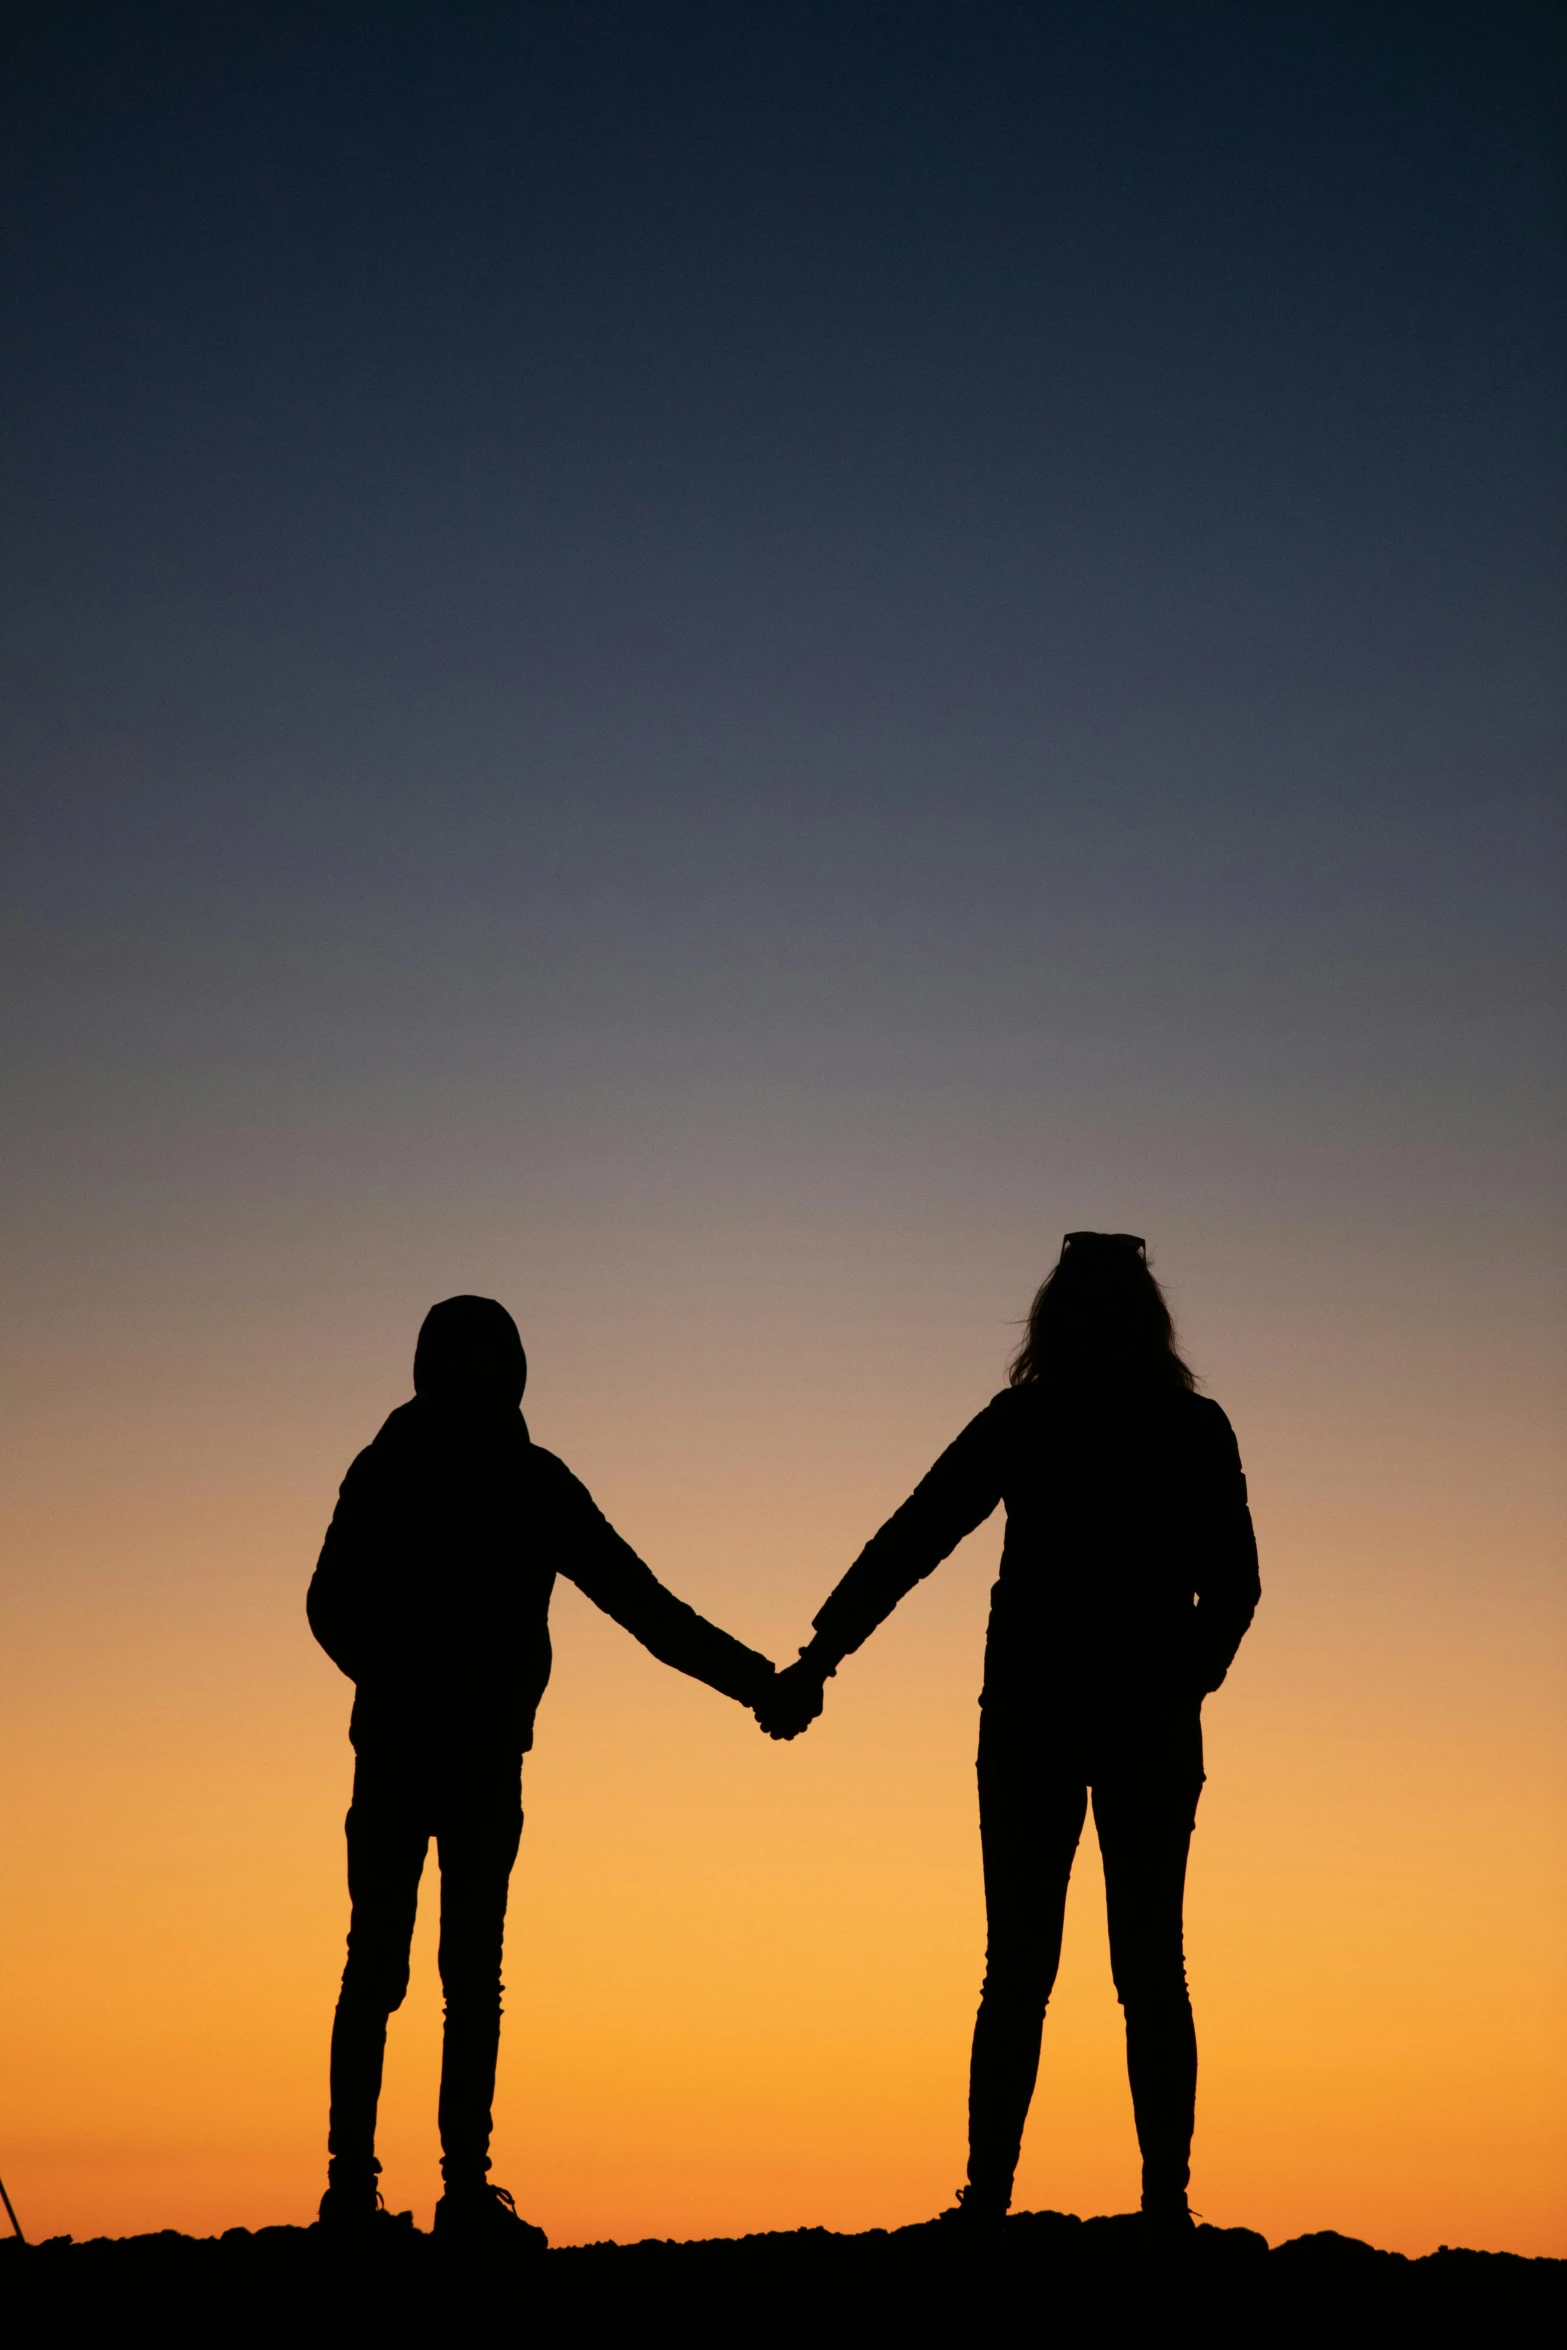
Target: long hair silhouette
x=1100 y=1311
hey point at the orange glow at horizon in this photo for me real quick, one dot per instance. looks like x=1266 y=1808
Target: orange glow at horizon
x=740 y=1979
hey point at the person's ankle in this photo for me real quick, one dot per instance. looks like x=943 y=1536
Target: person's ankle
x=352 y=2199
x=352 y=2170
x=984 y=2200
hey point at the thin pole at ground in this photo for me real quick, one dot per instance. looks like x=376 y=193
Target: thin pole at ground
x=10 y=2209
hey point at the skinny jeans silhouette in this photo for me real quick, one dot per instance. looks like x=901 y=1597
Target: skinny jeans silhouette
x=472 y=1806
x=1035 y=1784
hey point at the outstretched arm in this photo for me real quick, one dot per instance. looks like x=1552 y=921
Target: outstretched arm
x=958 y=1494
x=615 y=1579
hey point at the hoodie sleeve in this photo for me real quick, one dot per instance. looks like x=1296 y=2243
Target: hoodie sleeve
x=957 y=1495
x=609 y=1571
x=338 y=1603
x=1227 y=1582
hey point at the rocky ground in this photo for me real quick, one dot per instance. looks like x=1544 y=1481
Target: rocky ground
x=1097 y=2276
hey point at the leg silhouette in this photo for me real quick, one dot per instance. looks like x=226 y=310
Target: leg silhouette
x=388 y=1835
x=479 y=1834
x=475 y=1815
x=1033 y=1795
x=1145 y=1829
x=1031 y=1810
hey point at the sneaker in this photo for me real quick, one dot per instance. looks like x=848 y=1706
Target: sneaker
x=482 y=2214
x=352 y=2212
x=1168 y=2216
x=976 y=2209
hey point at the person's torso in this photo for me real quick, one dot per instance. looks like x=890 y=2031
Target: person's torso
x=460 y=1541
x=1109 y=1500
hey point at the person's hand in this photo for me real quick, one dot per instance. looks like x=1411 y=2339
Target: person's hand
x=792 y=1702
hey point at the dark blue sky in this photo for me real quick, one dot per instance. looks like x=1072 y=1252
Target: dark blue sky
x=833 y=597
x=712 y=668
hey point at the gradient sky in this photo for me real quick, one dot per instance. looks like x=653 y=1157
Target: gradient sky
x=711 y=669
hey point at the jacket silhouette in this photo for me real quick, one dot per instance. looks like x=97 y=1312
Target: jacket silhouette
x=1129 y=1568
x=432 y=1594
x=1128 y=1579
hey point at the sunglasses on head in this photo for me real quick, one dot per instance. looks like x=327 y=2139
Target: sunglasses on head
x=1081 y=1241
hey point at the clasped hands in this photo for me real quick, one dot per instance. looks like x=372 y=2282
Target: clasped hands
x=793 y=1698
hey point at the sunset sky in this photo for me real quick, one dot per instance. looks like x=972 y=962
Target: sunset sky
x=710 y=669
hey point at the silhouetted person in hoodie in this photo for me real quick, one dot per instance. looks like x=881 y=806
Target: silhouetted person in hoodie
x=432 y=1594
x=1128 y=1579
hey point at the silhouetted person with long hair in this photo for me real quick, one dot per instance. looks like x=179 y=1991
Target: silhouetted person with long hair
x=1128 y=1579
x=432 y=1594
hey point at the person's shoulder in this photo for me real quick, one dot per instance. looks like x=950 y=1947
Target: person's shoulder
x=1208 y=1423
x=397 y=1438
x=361 y=1477
x=558 y=1492
x=1206 y=1411
x=1014 y=1416
x=378 y=1464
x=549 y=1473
